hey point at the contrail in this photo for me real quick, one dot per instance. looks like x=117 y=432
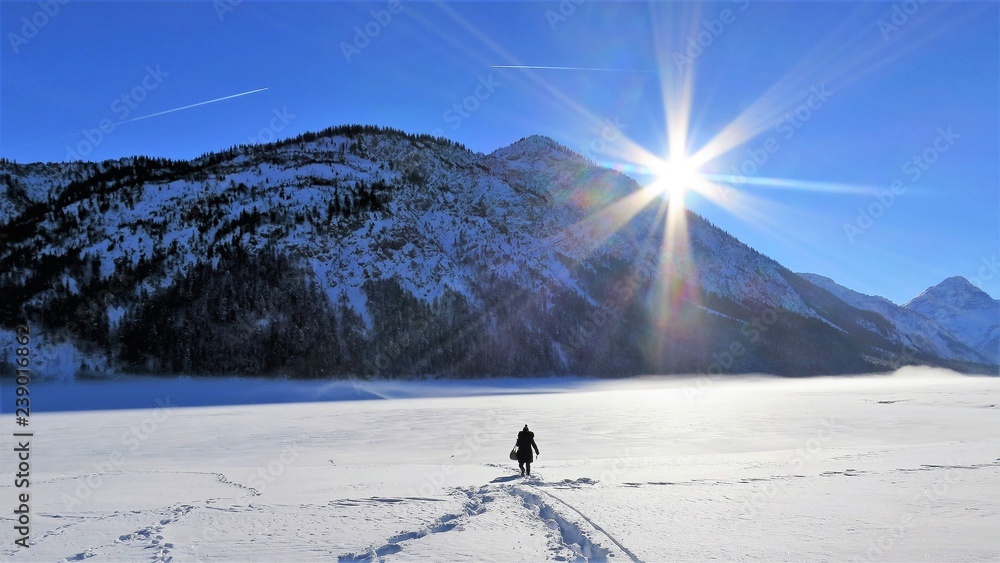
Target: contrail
x=151 y=115
x=195 y=105
x=540 y=67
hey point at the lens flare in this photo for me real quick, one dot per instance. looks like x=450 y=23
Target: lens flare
x=677 y=175
x=694 y=158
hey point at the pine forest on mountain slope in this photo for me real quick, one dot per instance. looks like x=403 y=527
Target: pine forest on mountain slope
x=361 y=251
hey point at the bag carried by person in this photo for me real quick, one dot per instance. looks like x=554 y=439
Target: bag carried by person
x=513 y=453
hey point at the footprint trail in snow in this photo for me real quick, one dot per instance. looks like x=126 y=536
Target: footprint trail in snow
x=522 y=512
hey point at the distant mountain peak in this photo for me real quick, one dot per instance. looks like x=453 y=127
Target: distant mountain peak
x=957 y=291
x=533 y=145
x=966 y=311
x=916 y=329
x=536 y=141
x=958 y=282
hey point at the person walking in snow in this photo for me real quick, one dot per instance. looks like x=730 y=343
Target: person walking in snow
x=525 y=441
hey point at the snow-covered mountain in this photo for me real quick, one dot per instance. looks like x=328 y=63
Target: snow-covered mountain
x=367 y=251
x=968 y=312
x=909 y=328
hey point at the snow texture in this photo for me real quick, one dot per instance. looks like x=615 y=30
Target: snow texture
x=852 y=469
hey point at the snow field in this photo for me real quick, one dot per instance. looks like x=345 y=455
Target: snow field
x=855 y=469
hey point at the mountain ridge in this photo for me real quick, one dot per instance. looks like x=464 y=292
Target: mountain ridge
x=918 y=330
x=402 y=255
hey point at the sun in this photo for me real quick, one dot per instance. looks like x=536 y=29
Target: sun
x=676 y=176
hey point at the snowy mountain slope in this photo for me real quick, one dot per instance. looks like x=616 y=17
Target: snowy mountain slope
x=727 y=267
x=24 y=185
x=367 y=251
x=968 y=312
x=911 y=329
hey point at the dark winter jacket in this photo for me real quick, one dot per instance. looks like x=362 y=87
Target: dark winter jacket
x=525 y=441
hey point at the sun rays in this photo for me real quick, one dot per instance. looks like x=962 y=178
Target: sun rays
x=696 y=164
x=681 y=172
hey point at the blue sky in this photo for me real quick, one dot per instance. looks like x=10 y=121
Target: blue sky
x=896 y=81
